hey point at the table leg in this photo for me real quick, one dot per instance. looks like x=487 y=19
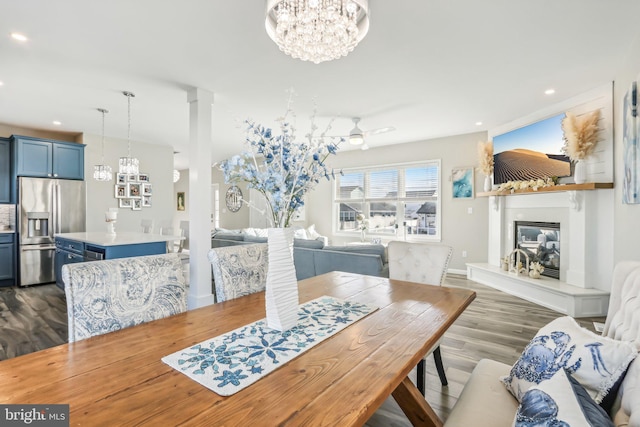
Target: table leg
x=414 y=406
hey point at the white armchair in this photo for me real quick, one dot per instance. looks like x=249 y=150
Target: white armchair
x=421 y=263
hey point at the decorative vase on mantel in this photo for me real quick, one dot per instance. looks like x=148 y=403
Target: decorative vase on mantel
x=487 y=183
x=281 y=292
x=580 y=172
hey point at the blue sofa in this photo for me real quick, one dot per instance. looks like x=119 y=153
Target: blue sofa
x=312 y=258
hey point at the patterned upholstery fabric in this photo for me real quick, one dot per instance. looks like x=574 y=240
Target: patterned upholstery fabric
x=239 y=270
x=419 y=262
x=105 y=296
x=623 y=322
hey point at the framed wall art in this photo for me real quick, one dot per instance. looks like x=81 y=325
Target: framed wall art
x=120 y=191
x=462 y=179
x=125 y=203
x=631 y=182
x=121 y=178
x=134 y=190
x=180 y=202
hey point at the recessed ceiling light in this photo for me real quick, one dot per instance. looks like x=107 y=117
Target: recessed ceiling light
x=57 y=123
x=478 y=123
x=549 y=91
x=19 y=37
x=1 y=83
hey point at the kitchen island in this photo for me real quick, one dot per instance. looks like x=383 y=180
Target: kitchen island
x=94 y=246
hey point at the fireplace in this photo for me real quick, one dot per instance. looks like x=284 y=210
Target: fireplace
x=541 y=242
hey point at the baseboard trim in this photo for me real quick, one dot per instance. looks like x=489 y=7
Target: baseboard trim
x=457 y=271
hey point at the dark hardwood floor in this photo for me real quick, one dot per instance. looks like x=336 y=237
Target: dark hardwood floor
x=31 y=319
x=496 y=325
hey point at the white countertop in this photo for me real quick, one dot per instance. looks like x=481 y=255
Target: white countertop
x=120 y=238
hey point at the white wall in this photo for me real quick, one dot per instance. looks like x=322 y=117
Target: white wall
x=627 y=217
x=460 y=229
x=8 y=130
x=230 y=220
x=155 y=160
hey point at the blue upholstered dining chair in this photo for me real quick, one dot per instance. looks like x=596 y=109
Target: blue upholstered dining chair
x=239 y=270
x=105 y=296
x=421 y=263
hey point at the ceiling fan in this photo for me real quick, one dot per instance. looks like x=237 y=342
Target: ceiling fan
x=357 y=135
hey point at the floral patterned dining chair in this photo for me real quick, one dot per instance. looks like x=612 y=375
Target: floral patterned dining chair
x=239 y=270
x=105 y=296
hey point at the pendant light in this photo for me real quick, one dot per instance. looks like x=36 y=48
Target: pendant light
x=128 y=165
x=102 y=172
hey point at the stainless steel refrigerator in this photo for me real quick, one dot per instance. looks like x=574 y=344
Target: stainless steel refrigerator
x=46 y=207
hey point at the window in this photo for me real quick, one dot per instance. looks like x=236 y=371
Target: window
x=399 y=201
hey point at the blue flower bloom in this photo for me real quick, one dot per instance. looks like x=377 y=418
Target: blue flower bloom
x=281 y=168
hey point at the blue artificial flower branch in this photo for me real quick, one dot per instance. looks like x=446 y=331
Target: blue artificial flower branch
x=282 y=169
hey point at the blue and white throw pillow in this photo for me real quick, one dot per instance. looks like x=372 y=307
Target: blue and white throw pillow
x=556 y=402
x=596 y=362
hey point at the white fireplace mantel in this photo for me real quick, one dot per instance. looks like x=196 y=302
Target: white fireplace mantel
x=586 y=246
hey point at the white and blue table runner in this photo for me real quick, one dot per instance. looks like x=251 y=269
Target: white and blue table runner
x=228 y=363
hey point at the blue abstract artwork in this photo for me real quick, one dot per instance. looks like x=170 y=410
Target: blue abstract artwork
x=631 y=183
x=462 y=183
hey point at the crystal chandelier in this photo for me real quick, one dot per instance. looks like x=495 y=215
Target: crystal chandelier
x=102 y=172
x=317 y=30
x=128 y=165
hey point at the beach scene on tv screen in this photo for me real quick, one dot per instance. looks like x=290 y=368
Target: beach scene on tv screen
x=531 y=152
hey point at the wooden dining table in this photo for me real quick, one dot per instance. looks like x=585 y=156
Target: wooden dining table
x=118 y=379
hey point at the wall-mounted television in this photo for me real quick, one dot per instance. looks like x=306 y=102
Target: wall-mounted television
x=531 y=152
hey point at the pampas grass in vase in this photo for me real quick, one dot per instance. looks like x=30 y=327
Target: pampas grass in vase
x=580 y=139
x=485 y=158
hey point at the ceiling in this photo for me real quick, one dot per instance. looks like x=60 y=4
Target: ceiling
x=429 y=68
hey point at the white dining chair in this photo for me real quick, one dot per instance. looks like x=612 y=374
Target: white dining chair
x=183 y=245
x=421 y=263
x=147 y=225
x=166 y=229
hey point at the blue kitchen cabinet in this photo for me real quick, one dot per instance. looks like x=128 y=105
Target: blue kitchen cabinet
x=33 y=158
x=67 y=252
x=43 y=158
x=7 y=259
x=68 y=160
x=5 y=171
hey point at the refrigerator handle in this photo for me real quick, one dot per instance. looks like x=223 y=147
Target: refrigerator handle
x=55 y=210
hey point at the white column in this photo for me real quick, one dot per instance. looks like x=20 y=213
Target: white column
x=199 y=202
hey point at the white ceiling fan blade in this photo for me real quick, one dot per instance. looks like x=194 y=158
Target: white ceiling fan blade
x=379 y=130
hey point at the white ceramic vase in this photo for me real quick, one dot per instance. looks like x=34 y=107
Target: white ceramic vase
x=282 y=287
x=580 y=172
x=487 y=183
